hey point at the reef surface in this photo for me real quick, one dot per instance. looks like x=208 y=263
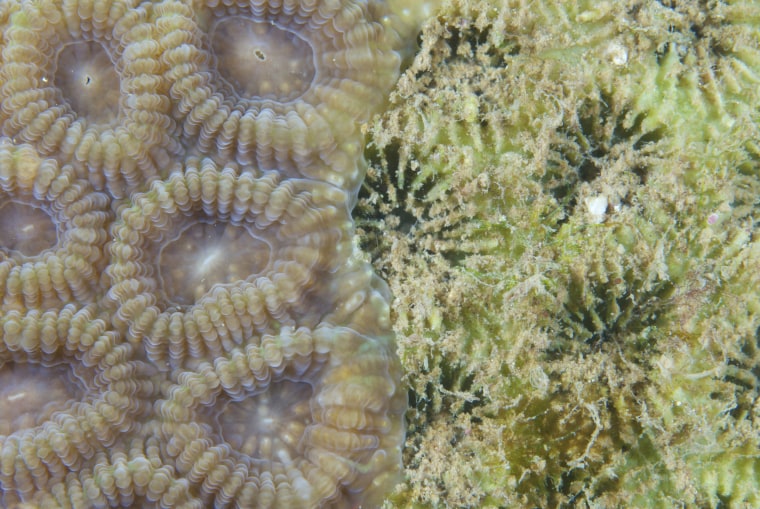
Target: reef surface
x=564 y=198
x=561 y=196
x=185 y=319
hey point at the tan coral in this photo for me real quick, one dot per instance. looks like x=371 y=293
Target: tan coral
x=359 y=299
x=129 y=474
x=26 y=230
x=300 y=229
x=300 y=115
x=296 y=418
x=231 y=266
x=82 y=82
x=68 y=270
x=106 y=390
x=6 y=9
x=28 y=397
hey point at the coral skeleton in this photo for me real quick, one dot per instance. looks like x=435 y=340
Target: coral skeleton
x=563 y=197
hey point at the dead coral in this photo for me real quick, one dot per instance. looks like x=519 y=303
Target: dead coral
x=543 y=198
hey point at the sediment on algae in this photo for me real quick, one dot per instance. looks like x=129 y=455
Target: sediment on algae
x=563 y=197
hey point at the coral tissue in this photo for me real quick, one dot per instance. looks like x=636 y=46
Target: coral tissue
x=183 y=320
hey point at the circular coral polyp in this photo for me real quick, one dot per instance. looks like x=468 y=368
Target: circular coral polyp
x=304 y=226
x=208 y=253
x=269 y=425
x=49 y=208
x=262 y=60
x=317 y=409
x=82 y=81
x=26 y=229
x=73 y=388
x=88 y=81
x=283 y=85
x=30 y=394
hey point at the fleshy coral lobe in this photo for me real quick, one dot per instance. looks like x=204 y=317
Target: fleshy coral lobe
x=177 y=246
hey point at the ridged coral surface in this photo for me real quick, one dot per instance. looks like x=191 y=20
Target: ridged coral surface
x=184 y=318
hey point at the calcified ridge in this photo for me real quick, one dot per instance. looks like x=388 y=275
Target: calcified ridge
x=184 y=321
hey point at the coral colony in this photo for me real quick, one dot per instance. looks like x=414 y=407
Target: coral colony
x=197 y=198
x=185 y=321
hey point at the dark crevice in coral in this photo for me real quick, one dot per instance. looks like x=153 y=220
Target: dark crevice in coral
x=374 y=198
x=650 y=137
x=562 y=176
x=590 y=168
x=385 y=186
x=466 y=38
x=629 y=315
x=583 y=151
x=561 y=193
x=465 y=41
x=560 y=494
x=669 y=4
x=585 y=148
x=698 y=31
x=633 y=12
x=455 y=258
x=670 y=47
x=743 y=383
x=744 y=374
x=391 y=192
x=455 y=378
x=641 y=172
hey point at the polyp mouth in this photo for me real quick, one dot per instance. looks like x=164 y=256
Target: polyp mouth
x=262 y=60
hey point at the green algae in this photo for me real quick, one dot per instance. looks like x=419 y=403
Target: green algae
x=564 y=199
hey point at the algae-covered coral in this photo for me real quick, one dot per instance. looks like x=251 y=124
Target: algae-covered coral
x=564 y=199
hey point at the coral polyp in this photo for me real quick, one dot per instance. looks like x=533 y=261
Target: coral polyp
x=25 y=229
x=69 y=221
x=304 y=225
x=107 y=390
x=268 y=424
x=334 y=65
x=105 y=114
x=30 y=394
x=208 y=253
x=87 y=79
x=261 y=60
x=299 y=418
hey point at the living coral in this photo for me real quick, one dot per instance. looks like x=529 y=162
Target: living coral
x=310 y=128
x=114 y=389
x=177 y=247
x=67 y=106
x=46 y=201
